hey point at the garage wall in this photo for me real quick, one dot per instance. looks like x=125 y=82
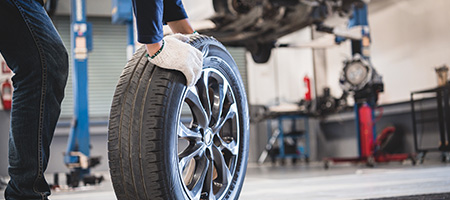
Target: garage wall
x=280 y=80
x=93 y=7
x=409 y=39
x=198 y=9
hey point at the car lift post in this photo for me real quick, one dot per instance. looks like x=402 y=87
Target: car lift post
x=122 y=14
x=361 y=47
x=367 y=147
x=78 y=149
x=365 y=104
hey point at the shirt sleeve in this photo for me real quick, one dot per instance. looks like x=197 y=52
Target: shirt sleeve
x=152 y=14
x=173 y=10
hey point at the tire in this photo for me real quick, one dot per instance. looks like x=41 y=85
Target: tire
x=156 y=152
x=326 y=164
x=260 y=51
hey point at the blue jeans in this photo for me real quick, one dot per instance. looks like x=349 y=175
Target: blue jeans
x=35 y=53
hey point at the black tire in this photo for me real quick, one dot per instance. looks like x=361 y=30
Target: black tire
x=413 y=160
x=154 y=153
x=261 y=51
x=294 y=161
x=370 y=162
x=326 y=164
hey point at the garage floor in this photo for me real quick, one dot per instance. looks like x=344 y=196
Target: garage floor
x=313 y=182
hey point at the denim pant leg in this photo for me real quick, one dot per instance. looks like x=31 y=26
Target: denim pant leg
x=34 y=51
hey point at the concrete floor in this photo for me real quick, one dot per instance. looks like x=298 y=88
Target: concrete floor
x=311 y=182
x=345 y=182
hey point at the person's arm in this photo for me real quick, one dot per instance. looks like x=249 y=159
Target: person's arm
x=150 y=15
x=153 y=48
x=172 y=52
x=180 y=26
x=149 y=20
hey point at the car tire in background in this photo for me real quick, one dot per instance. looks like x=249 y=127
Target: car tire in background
x=260 y=51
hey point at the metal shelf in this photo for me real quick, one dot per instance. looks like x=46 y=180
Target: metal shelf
x=279 y=138
x=443 y=118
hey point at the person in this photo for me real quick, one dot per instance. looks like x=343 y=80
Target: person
x=34 y=51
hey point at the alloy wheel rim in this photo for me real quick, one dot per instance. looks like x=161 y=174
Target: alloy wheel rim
x=208 y=141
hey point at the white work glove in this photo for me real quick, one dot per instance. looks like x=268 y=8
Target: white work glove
x=178 y=55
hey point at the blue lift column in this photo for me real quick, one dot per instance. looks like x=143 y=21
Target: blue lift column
x=359 y=18
x=122 y=14
x=78 y=149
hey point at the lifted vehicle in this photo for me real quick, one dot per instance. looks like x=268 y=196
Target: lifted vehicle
x=257 y=24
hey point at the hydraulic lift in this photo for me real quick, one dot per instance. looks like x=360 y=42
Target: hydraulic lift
x=77 y=156
x=361 y=79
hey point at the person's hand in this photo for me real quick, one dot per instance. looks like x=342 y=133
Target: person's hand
x=178 y=55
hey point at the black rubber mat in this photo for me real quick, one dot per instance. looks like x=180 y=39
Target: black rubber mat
x=420 y=197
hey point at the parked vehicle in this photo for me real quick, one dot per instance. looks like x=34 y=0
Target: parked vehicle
x=257 y=24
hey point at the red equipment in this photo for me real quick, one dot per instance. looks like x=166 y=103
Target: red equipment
x=370 y=152
x=366 y=130
x=6 y=97
x=307 y=82
x=384 y=135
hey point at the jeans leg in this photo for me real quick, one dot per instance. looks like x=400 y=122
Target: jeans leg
x=34 y=51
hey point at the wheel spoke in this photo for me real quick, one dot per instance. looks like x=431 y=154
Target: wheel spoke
x=232 y=111
x=189 y=154
x=184 y=132
x=211 y=195
x=224 y=174
x=203 y=93
x=197 y=108
x=208 y=185
x=203 y=170
x=232 y=147
x=219 y=99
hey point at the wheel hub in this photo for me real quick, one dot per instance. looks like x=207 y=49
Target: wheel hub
x=208 y=137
